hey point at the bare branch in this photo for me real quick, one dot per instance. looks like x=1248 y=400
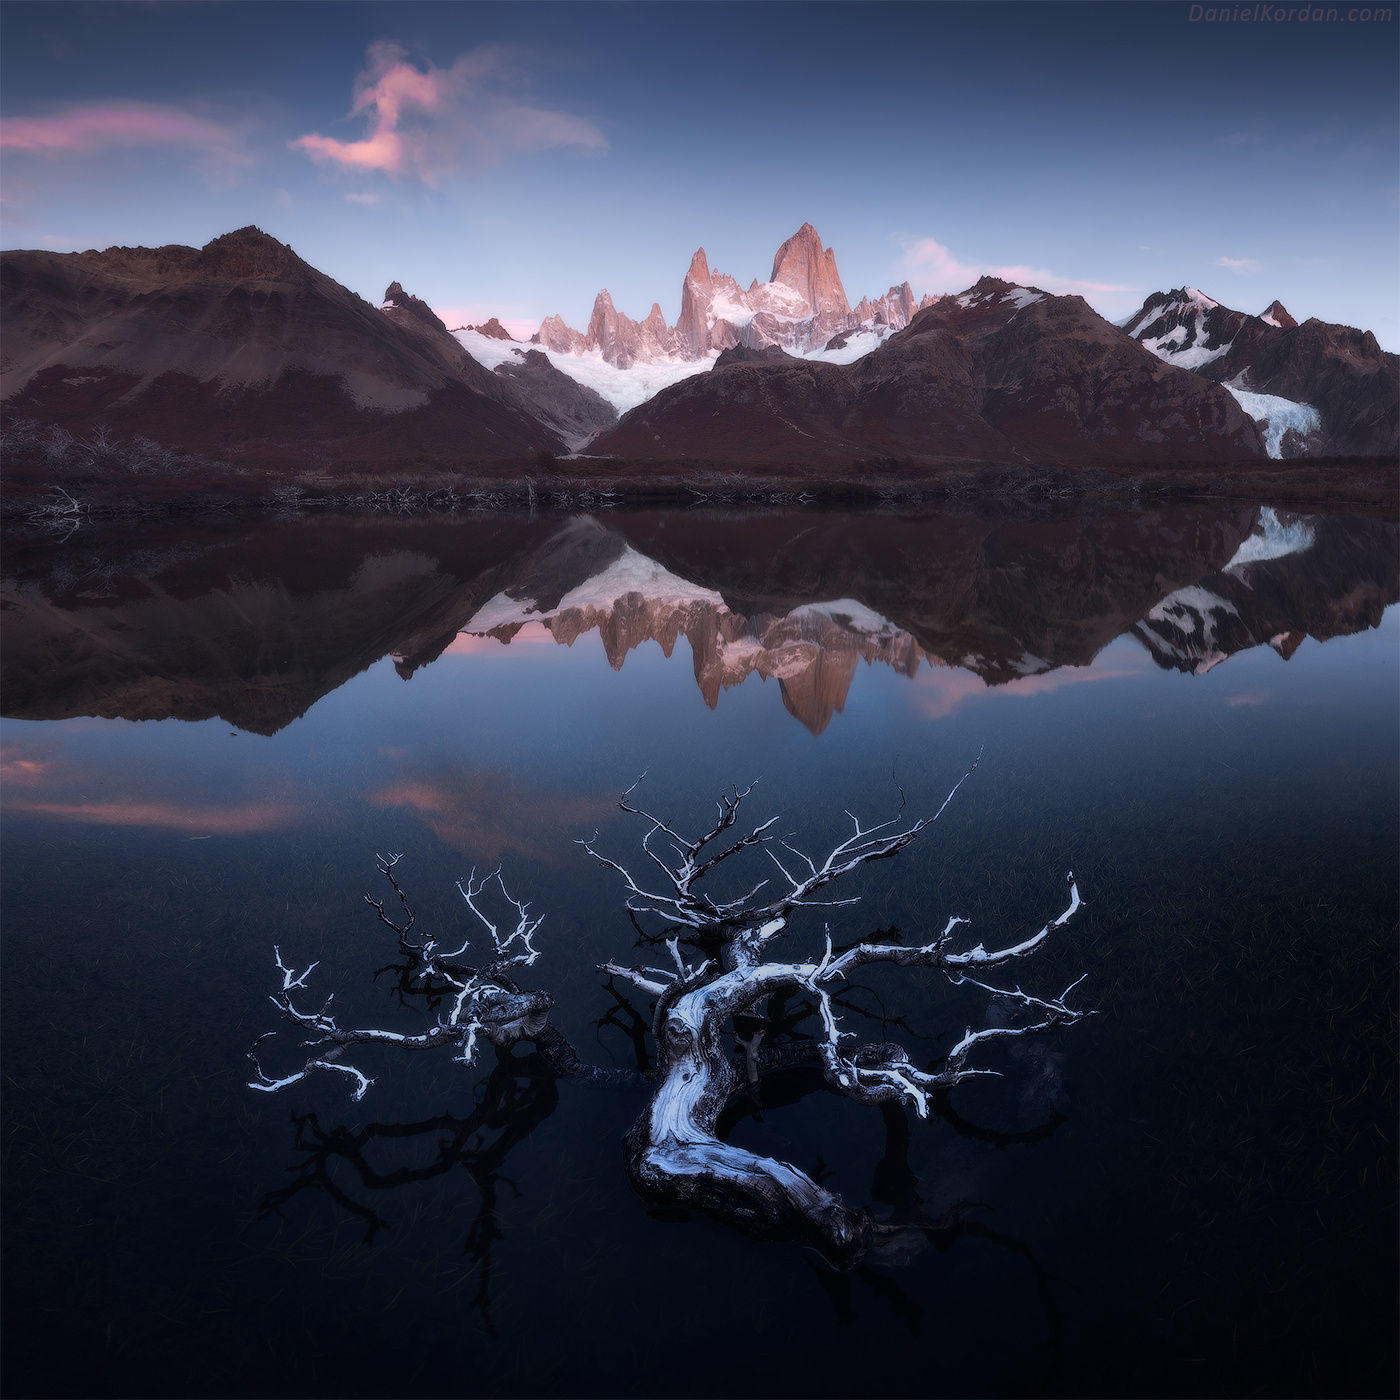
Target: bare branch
x=642 y=978
x=522 y=934
x=744 y=922
x=482 y=1003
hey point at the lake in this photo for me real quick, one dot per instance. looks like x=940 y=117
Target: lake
x=213 y=726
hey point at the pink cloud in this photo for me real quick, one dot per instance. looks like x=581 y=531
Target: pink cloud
x=429 y=121
x=100 y=126
x=937 y=268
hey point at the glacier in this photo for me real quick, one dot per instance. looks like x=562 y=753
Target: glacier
x=1276 y=416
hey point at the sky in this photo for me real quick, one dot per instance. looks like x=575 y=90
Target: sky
x=512 y=159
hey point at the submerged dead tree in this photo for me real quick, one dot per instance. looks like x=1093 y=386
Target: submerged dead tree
x=728 y=976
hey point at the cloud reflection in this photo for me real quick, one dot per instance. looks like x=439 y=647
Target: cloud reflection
x=241 y=819
x=938 y=692
x=38 y=784
x=486 y=814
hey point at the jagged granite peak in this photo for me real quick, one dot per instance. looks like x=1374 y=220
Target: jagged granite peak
x=1276 y=314
x=555 y=334
x=800 y=307
x=623 y=341
x=803 y=264
x=896 y=308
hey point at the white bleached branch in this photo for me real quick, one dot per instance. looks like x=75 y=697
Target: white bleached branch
x=481 y=1002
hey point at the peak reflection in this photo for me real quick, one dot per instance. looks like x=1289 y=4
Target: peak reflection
x=255 y=624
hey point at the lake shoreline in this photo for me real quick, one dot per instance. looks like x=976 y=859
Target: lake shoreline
x=36 y=494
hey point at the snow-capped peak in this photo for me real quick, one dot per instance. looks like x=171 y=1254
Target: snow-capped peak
x=1184 y=327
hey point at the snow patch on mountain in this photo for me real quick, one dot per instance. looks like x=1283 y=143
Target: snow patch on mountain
x=1019 y=297
x=501 y=611
x=1192 y=613
x=630 y=573
x=1276 y=416
x=1181 y=348
x=849 y=613
x=489 y=352
x=1023 y=297
x=633 y=572
x=726 y=309
x=858 y=345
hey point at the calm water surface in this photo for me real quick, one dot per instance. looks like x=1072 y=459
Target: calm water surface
x=212 y=730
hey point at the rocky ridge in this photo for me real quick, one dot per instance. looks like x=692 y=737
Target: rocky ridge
x=1315 y=388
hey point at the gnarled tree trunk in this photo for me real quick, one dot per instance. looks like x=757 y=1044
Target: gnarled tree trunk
x=674 y=1155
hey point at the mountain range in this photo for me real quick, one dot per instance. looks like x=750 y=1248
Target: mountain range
x=242 y=351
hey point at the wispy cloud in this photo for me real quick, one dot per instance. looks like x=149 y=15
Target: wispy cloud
x=363 y=197
x=1247 y=266
x=430 y=122
x=938 y=269
x=92 y=128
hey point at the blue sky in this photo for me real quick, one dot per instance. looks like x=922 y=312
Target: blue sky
x=512 y=159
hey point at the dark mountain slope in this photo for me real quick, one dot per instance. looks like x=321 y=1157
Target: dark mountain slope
x=242 y=350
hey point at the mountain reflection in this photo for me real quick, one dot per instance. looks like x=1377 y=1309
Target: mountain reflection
x=255 y=624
